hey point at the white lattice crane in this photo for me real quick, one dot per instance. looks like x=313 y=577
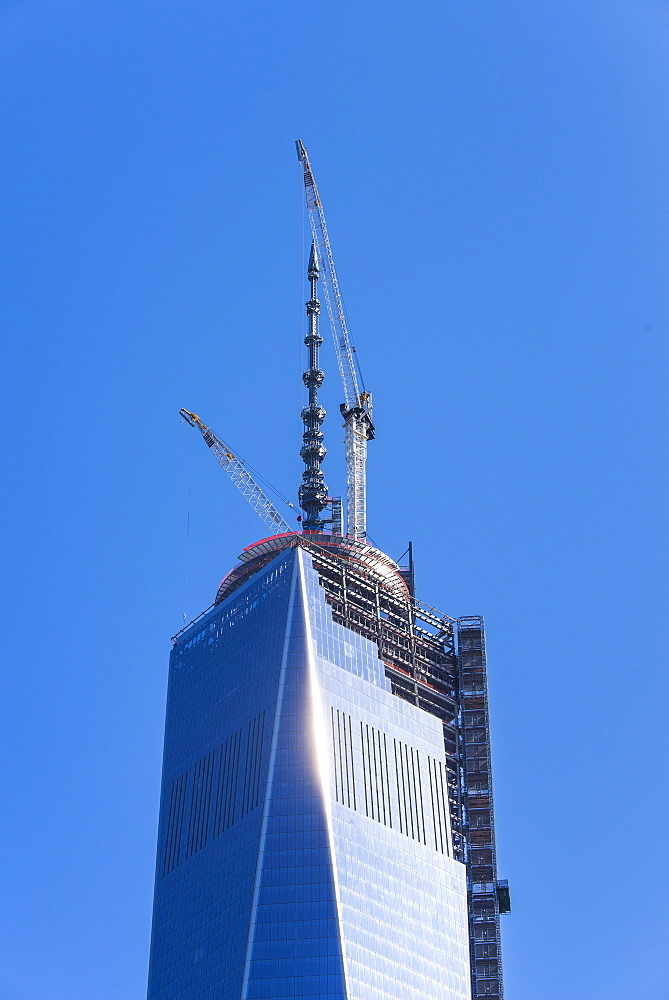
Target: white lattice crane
x=236 y=469
x=357 y=408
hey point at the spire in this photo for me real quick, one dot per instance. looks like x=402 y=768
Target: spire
x=313 y=261
x=313 y=491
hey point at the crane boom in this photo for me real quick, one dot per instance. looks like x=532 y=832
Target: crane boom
x=234 y=467
x=335 y=305
x=357 y=406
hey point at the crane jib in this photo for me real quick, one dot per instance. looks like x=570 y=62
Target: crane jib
x=356 y=439
x=234 y=467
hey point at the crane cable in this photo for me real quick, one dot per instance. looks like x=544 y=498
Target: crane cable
x=257 y=475
x=190 y=483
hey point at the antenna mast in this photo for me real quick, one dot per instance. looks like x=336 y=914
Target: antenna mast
x=313 y=494
x=357 y=408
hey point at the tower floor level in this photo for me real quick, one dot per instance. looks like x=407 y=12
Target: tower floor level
x=326 y=826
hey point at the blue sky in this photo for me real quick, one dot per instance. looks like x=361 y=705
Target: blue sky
x=494 y=176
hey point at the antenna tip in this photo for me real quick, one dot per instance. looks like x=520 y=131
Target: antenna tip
x=313 y=258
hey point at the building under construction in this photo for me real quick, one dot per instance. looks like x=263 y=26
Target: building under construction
x=327 y=825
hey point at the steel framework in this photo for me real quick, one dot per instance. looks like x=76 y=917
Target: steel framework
x=234 y=467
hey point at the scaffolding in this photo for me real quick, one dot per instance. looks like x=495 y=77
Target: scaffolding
x=487 y=897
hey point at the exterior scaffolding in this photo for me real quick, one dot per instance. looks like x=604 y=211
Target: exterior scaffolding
x=487 y=897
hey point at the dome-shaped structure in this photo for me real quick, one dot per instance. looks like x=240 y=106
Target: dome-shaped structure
x=374 y=563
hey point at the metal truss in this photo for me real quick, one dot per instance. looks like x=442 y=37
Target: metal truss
x=241 y=477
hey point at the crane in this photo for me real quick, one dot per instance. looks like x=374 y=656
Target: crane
x=239 y=474
x=357 y=406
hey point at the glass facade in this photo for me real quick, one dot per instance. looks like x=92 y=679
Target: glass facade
x=304 y=844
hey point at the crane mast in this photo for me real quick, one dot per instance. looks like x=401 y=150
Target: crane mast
x=357 y=406
x=234 y=467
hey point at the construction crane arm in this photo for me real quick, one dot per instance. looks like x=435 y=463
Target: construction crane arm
x=354 y=395
x=357 y=406
x=235 y=468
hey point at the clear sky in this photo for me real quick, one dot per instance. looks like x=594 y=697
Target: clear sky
x=495 y=180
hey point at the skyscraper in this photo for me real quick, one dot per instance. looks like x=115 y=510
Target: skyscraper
x=326 y=825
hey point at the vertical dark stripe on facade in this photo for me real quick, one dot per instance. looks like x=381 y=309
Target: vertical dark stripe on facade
x=258 y=763
x=247 y=756
x=380 y=799
x=223 y=764
x=369 y=795
x=194 y=804
x=436 y=822
x=226 y=802
x=349 y=760
x=377 y=778
x=202 y=827
x=221 y=771
x=443 y=799
x=401 y=791
x=336 y=756
x=252 y=762
x=233 y=784
x=200 y=807
x=439 y=806
x=404 y=795
x=172 y=855
x=225 y=783
x=364 y=768
x=341 y=745
x=342 y=749
x=385 y=760
x=410 y=790
x=420 y=798
x=206 y=816
x=404 y=757
x=371 y=774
